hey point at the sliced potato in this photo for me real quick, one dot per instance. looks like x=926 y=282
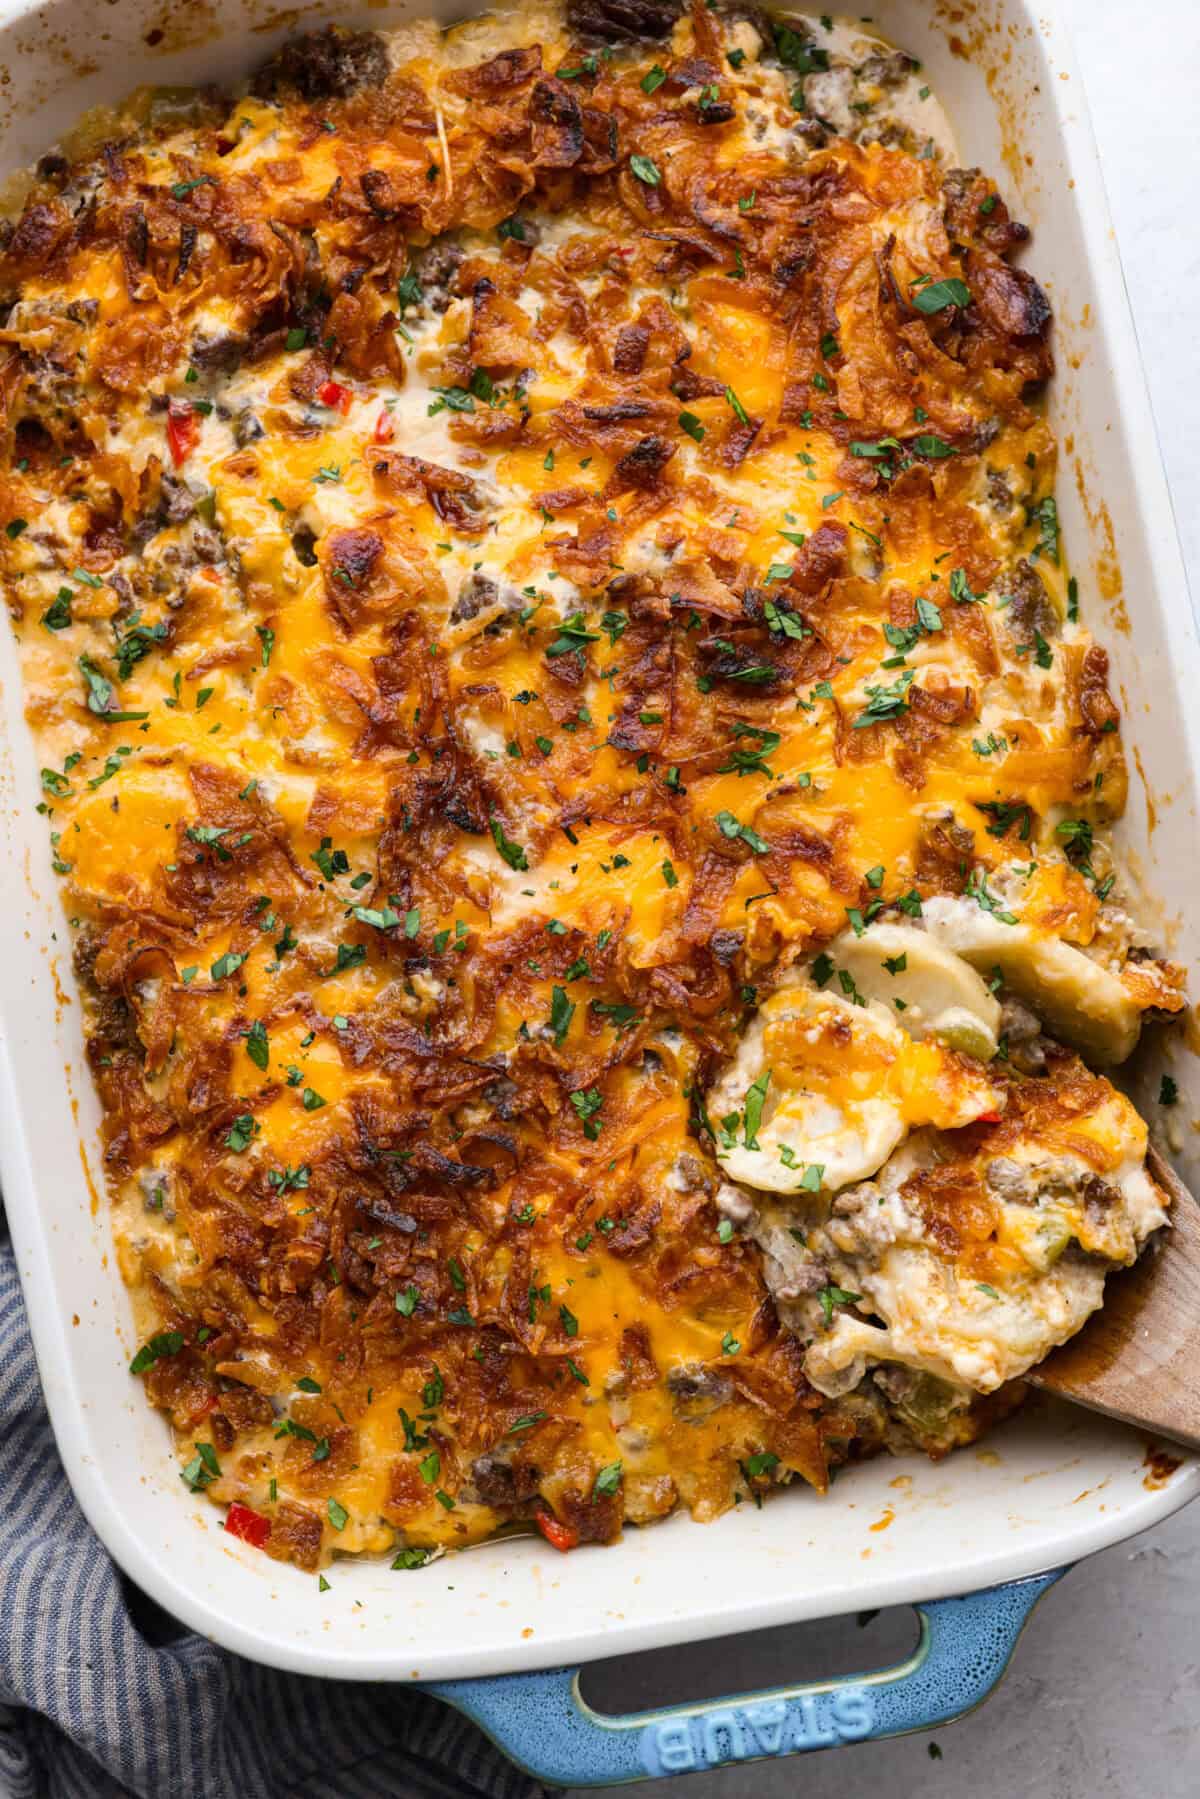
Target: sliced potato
x=1079 y=1000
x=823 y=1089
x=1060 y=1215
x=933 y=991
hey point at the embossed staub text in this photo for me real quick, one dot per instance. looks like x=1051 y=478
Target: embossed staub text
x=686 y=1742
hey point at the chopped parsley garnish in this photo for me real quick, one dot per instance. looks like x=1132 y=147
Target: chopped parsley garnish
x=755 y=1100
x=452 y=399
x=739 y=410
x=57 y=616
x=242 y=1133
x=587 y=1104
x=285 y=1180
x=411 y=1558
x=182 y=189
x=525 y=1423
x=977 y=889
x=512 y=852
x=573 y=635
x=202 y=1469
x=886 y=702
x=1077 y=835
x=730 y=827
x=1045 y=515
x=331 y=862
x=765 y=1462
x=960 y=589
x=137 y=642
x=878 y=451
x=622 y=1016
x=796 y=53
x=349 y=955
x=940 y=294
x=166 y=1343
x=1005 y=814
x=382 y=918
x=101 y=696
x=607 y=1481
x=562 y=1010
x=745 y=760
x=835 y=1296
x=929 y=616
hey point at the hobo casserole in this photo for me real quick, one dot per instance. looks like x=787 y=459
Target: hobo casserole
x=578 y=779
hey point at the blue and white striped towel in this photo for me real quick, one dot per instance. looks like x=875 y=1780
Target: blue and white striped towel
x=102 y=1695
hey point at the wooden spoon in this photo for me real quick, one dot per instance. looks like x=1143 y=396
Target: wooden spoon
x=1138 y=1357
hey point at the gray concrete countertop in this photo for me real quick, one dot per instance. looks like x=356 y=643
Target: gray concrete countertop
x=1102 y=1697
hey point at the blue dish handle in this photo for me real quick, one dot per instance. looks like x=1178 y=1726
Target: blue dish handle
x=543 y=1722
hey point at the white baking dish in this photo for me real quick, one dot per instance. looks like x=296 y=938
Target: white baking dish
x=1046 y=1489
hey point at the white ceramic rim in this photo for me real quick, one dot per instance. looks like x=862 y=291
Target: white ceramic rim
x=335 y=1650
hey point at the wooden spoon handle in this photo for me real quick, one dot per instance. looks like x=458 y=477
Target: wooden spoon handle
x=1138 y=1358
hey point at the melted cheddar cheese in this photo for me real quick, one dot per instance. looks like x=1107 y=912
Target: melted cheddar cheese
x=570 y=747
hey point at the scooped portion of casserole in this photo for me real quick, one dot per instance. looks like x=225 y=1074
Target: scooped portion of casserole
x=580 y=785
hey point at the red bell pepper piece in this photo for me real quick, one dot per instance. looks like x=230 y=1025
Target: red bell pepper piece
x=332 y=393
x=557 y=1534
x=250 y=1526
x=206 y=1406
x=385 y=430
x=183 y=431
